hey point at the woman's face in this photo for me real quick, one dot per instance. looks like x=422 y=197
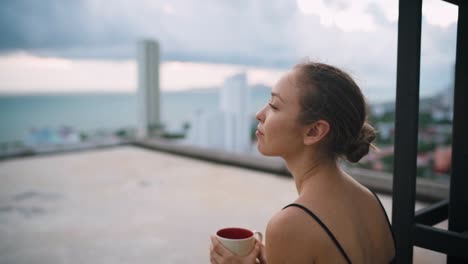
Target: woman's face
x=278 y=132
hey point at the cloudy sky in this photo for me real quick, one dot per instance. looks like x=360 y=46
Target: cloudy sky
x=90 y=45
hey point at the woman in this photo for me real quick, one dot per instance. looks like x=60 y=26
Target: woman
x=317 y=116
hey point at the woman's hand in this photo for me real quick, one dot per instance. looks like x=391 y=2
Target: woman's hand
x=221 y=255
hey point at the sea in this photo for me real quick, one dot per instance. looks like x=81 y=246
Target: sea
x=21 y=114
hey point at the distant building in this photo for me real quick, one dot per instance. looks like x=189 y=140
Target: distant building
x=148 y=88
x=228 y=128
x=385 y=130
x=380 y=109
x=64 y=135
x=234 y=103
x=443 y=159
x=207 y=130
x=446 y=101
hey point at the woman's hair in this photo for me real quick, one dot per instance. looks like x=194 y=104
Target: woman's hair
x=327 y=93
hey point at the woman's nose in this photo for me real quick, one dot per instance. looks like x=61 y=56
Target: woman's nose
x=259 y=115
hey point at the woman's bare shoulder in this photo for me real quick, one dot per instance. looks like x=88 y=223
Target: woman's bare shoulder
x=293 y=237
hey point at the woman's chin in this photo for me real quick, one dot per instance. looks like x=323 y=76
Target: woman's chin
x=263 y=151
x=259 y=148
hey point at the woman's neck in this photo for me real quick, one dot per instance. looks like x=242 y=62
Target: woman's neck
x=311 y=172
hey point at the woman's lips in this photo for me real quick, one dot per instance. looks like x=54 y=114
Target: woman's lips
x=258 y=133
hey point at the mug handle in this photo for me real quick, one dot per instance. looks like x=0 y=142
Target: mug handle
x=259 y=235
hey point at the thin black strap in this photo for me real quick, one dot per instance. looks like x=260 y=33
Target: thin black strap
x=388 y=221
x=329 y=233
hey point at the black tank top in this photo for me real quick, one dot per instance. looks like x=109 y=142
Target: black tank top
x=330 y=234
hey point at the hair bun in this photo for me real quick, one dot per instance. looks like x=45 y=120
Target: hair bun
x=358 y=149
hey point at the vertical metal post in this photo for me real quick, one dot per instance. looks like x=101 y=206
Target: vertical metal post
x=406 y=126
x=458 y=206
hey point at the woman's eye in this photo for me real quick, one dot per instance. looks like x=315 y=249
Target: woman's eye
x=272 y=106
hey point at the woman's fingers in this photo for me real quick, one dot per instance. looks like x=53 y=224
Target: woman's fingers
x=261 y=252
x=219 y=254
x=215 y=258
x=255 y=251
x=219 y=248
x=262 y=256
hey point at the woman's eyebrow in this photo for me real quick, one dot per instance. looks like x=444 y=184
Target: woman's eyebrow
x=279 y=97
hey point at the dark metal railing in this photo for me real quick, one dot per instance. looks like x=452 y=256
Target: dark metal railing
x=416 y=229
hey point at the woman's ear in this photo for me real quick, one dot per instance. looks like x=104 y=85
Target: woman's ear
x=316 y=132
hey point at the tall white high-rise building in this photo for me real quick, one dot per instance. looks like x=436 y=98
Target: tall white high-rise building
x=148 y=87
x=207 y=129
x=229 y=127
x=234 y=103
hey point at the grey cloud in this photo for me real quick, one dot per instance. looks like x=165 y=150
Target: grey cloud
x=265 y=32
x=34 y=24
x=60 y=28
x=438 y=48
x=379 y=16
x=337 y=4
x=215 y=30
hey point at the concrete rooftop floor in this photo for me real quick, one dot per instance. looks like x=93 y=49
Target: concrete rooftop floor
x=131 y=205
